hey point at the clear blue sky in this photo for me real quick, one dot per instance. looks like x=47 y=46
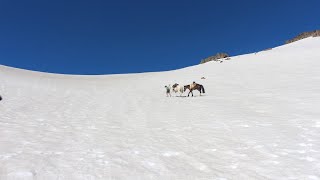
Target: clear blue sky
x=126 y=36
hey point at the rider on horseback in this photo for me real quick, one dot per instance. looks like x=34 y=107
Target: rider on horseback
x=193 y=85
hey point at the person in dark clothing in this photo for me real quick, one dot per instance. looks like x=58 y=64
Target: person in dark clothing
x=168 y=90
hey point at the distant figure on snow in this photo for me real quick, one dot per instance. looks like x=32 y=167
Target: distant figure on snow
x=168 y=90
x=0 y=98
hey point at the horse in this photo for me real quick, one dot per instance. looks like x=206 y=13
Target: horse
x=177 y=88
x=194 y=86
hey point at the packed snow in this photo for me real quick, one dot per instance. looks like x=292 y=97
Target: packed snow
x=259 y=119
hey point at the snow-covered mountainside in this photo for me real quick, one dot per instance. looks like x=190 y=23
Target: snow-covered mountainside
x=259 y=119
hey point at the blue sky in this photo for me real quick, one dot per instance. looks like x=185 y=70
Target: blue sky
x=125 y=36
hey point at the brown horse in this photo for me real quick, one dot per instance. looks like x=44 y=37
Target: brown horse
x=194 y=86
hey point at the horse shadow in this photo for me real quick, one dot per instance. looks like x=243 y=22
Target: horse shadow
x=185 y=96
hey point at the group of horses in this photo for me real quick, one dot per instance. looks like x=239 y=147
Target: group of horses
x=176 y=88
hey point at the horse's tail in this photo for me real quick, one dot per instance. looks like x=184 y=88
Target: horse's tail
x=202 y=89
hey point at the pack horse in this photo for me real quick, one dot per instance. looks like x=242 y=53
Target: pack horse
x=194 y=86
x=177 y=88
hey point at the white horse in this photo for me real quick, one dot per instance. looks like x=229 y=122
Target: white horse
x=177 y=88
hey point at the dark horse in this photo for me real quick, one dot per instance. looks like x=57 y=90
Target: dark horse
x=194 y=86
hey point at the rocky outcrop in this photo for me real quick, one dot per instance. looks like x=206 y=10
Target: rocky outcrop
x=304 y=35
x=214 y=58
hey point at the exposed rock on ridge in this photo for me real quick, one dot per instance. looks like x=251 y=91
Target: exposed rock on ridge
x=303 y=35
x=214 y=58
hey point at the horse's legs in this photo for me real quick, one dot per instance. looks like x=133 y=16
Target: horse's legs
x=199 y=89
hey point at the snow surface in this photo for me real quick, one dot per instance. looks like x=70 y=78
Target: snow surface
x=259 y=119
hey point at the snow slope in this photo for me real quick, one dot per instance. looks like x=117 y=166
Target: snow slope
x=259 y=119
